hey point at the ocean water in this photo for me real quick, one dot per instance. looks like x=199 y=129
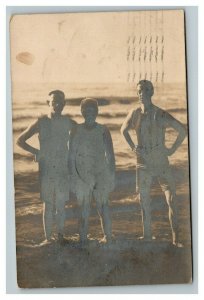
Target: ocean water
x=115 y=101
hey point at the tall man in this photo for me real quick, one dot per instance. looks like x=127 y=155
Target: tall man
x=53 y=131
x=150 y=124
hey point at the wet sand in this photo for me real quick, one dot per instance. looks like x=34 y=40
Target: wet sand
x=126 y=261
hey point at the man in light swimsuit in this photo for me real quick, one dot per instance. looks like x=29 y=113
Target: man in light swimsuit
x=53 y=131
x=150 y=124
x=93 y=169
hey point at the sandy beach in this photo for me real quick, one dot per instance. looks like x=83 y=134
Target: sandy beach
x=127 y=260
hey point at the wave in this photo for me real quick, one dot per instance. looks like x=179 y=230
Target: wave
x=77 y=101
x=24 y=157
x=177 y=110
x=113 y=127
x=102 y=101
x=34 y=117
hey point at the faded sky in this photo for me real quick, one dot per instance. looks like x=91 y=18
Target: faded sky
x=92 y=47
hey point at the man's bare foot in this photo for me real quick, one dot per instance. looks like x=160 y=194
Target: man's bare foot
x=147 y=238
x=106 y=240
x=178 y=245
x=45 y=242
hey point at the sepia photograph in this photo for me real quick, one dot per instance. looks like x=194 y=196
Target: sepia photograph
x=101 y=148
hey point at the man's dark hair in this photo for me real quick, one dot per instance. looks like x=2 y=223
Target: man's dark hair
x=87 y=102
x=59 y=94
x=148 y=83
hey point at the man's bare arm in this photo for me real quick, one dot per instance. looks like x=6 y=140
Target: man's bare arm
x=28 y=133
x=179 y=127
x=125 y=131
x=109 y=150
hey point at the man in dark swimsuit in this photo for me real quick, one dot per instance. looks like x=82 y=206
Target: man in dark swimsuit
x=150 y=124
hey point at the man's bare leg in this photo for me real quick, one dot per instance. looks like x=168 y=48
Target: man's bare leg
x=171 y=201
x=48 y=214
x=145 y=203
x=60 y=218
x=106 y=224
x=143 y=185
x=83 y=221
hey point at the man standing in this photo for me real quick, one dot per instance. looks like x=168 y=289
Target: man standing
x=93 y=169
x=53 y=131
x=150 y=124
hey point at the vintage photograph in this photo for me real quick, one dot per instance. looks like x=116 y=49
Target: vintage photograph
x=101 y=148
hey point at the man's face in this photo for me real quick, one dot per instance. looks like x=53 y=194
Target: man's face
x=144 y=93
x=89 y=113
x=56 y=104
